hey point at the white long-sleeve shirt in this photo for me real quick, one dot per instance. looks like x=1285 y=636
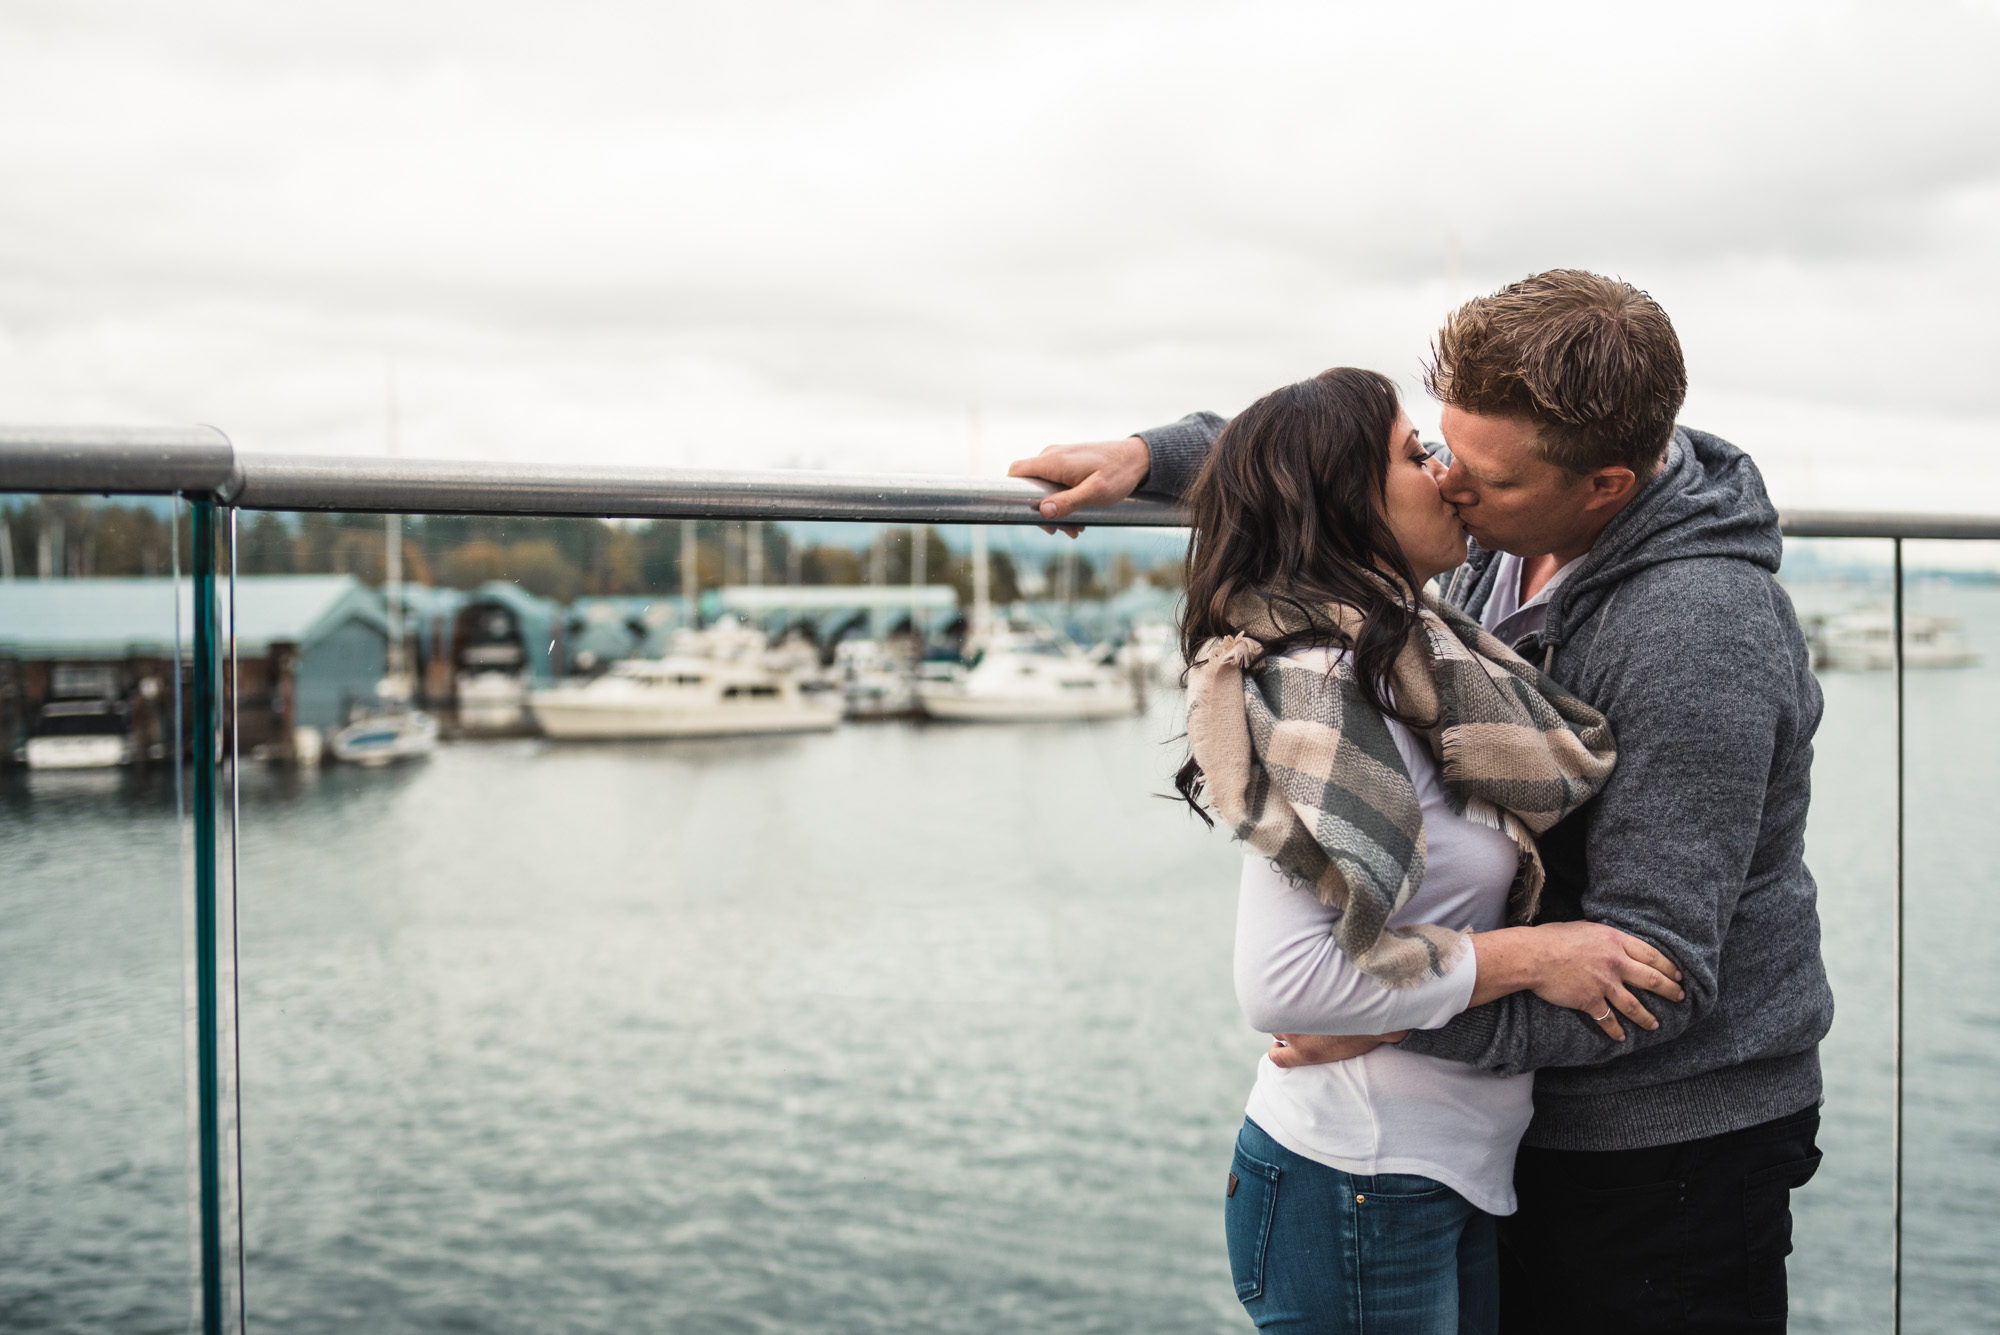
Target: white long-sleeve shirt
x=1388 y=1111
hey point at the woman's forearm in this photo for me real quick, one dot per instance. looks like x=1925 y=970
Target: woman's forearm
x=1292 y=978
x=1510 y=960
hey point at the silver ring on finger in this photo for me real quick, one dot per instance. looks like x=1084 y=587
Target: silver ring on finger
x=1600 y=1019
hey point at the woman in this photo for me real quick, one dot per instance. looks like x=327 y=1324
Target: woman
x=1387 y=764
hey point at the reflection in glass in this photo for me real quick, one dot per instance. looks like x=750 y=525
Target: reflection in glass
x=884 y=1025
x=1839 y=1270
x=95 y=1219
x=890 y=1024
x=1951 y=850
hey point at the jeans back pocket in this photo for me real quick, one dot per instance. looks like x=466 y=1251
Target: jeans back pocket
x=1247 y=1212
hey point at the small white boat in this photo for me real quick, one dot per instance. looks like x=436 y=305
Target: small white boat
x=876 y=681
x=1019 y=677
x=98 y=751
x=1865 y=640
x=491 y=701
x=80 y=734
x=680 y=697
x=404 y=734
x=1153 y=653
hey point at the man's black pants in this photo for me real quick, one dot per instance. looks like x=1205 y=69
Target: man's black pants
x=1685 y=1238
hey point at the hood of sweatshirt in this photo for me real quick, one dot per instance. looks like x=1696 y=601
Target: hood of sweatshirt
x=1707 y=500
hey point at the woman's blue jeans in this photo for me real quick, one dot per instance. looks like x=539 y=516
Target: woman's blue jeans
x=1317 y=1251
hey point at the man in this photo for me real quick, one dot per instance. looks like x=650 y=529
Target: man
x=1634 y=560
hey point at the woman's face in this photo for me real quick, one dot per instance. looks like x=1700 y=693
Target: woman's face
x=1423 y=522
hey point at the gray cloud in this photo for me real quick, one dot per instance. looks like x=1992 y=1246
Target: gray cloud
x=791 y=232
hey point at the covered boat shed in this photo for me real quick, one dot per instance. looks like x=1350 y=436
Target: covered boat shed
x=309 y=647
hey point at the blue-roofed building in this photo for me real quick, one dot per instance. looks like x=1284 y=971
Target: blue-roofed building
x=504 y=640
x=603 y=630
x=430 y=617
x=309 y=648
x=831 y=612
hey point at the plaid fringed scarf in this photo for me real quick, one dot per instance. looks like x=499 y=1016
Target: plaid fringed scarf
x=1305 y=771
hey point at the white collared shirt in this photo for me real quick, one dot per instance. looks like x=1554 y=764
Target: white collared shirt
x=1505 y=614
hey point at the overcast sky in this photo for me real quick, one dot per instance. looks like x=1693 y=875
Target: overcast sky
x=827 y=232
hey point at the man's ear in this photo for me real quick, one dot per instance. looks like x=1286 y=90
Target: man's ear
x=1611 y=486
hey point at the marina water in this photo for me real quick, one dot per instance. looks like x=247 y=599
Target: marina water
x=897 y=1028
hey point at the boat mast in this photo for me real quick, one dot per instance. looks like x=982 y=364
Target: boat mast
x=392 y=583
x=982 y=588
x=690 y=576
x=919 y=618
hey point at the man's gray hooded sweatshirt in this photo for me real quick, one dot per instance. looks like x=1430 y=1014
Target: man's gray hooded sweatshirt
x=1676 y=628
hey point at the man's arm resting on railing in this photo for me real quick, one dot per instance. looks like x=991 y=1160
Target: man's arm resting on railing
x=1159 y=463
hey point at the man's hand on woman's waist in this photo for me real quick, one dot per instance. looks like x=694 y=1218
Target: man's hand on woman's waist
x=1317 y=1049
x=1584 y=966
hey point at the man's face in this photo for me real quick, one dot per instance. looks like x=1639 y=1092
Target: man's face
x=1509 y=498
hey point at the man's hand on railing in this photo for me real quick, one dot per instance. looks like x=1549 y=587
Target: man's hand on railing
x=1103 y=473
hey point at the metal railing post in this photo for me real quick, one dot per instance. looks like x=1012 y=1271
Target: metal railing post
x=204 y=717
x=234 y=1140
x=1896 y=1113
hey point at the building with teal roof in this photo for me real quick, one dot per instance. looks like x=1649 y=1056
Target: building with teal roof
x=310 y=648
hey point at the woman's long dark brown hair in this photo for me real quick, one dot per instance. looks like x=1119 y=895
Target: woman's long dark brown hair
x=1290 y=506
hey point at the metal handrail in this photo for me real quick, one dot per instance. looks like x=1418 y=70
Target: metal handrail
x=1886 y=524
x=201 y=461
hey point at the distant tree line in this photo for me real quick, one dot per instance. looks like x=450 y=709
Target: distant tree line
x=564 y=559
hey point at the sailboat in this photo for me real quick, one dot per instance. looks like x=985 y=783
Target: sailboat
x=392 y=728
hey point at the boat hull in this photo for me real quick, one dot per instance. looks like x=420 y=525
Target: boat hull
x=1001 y=709
x=379 y=742
x=598 y=722
x=1881 y=658
x=88 y=752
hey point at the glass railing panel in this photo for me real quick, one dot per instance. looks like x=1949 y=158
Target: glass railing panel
x=98 y=1174
x=715 y=990
x=1840 y=1268
x=879 y=1024
x=1952 y=898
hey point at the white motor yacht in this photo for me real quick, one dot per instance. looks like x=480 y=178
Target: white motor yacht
x=1866 y=640
x=680 y=697
x=1023 y=676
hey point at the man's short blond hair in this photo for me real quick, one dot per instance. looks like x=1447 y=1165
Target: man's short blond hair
x=1592 y=362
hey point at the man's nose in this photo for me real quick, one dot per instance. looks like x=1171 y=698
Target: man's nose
x=1452 y=487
